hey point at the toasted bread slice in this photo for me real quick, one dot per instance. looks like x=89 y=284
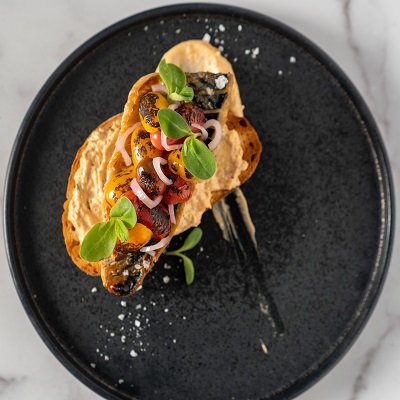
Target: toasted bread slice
x=124 y=275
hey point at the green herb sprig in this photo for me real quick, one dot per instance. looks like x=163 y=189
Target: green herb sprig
x=191 y=241
x=100 y=241
x=175 y=81
x=196 y=156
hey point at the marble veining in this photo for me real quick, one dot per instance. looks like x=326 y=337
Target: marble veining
x=361 y=36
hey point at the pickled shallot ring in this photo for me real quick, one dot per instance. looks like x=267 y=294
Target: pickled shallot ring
x=204 y=133
x=120 y=144
x=156 y=246
x=141 y=195
x=172 y=213
x=166 y=145
x=174 y=105
x=160 y=89
x=217 y=134
x=157 y=162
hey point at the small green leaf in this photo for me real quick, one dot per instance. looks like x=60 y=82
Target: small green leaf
x=175 y=81
x=191 y=240
x=121 y=230
x=173 y=124
x=189 y=269
x=198 y=159
x=178 y=78
x=124 y=211
x=186 y=95
x=99 y=242
x=166 y=75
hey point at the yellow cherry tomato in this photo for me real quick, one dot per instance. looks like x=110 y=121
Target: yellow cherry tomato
x=176 y=165
x=149 y=105
x=119 y=184
x=139 y=235
x=142 y=147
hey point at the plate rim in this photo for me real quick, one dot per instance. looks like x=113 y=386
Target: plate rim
x=307 y=379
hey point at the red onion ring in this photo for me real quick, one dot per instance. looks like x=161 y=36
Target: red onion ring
x=172 y=213
x=160 y=89
x=157 y=162
x=166 y=145
x=120 y=144
x=204 y=133
x=174 y=106
x=141 y=195
x=217 y=134
x=156 y=246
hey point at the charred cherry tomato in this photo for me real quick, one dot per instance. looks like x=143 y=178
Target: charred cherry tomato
x=156 y=219
x=192 y=114
x=148 y=178
x=142 y=147
x=179 y=192
x=156 y=140
x=119 y=184
x=149 y=105
x=139 y=235
x=176 y=165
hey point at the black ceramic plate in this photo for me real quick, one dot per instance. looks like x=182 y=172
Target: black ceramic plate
x=321 y=202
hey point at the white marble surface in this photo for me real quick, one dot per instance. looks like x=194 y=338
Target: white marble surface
x=362 y=36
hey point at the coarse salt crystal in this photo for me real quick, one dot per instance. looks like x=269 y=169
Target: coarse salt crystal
x=255 y=52
x=280 y=72
x=166 y=279
x=121 y=316
x=178 y=31
x=94 y=290
x=123 y=303
x=106 y=358
x=93 y=365
x=137 y=323
x=247 y=51
x=138 y=307
x=240 y=28
x=133 y=353
x=206 y=38
x=123 y=338
x=221 y=82
x=166 y=310
x=221 y=28
x=120 y=381
x=292 y=59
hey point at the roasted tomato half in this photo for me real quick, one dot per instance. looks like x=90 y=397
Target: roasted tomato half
x=156 y=219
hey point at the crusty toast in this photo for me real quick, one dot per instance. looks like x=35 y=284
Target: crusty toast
x=124 y=276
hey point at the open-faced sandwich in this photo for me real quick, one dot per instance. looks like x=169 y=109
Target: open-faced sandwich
x=181 y=144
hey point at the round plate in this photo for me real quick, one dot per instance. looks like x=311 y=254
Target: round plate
x=260 y=325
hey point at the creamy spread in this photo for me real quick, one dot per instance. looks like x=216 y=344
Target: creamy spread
x=85 y=206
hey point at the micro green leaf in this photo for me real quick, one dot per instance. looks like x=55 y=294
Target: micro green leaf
x=99 y=242
x=175 y=81
x=189 y=269
x=198 y=159
x=186 y=95
x=121 y=230
x=191 y=241
x=173 y=124
x=125 y=212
